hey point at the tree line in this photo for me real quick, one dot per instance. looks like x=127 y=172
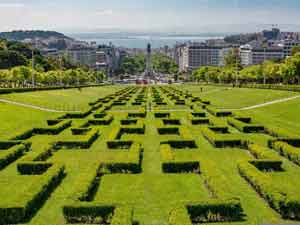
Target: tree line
x=286 y=71
x=21 y=65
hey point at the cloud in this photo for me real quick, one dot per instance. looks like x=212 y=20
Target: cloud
x=11 y=5
x=106 y=12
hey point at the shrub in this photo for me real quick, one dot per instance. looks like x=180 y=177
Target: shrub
x=168 y=130
x=84 y=142
x=290 y=152
x=218 y=112
x=267 y=165
x=215 y=211
x=10 y=155
x=105 y=121
x=180 y=144
x=179 y=216
x=245 y=127
x=22 y=210
x=181 y=167
x=221 y=140
x=161 y=115
x=33 y=168
x=261 y=152
x=166 y=152
x=90 y=214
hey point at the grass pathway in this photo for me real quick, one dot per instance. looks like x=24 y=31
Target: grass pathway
x=266 y=103
x=34 y=107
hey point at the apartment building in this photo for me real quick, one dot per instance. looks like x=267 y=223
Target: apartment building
x=252 y=55
x=194 y=55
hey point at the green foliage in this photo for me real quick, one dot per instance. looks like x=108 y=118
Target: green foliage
x=133 y=64
x=9 y=59
x=164 y=64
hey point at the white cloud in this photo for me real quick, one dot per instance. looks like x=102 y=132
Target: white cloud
x=11 y=5
x=106 y=12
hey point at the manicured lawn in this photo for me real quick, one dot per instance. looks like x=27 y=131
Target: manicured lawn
x=66 y=100
x=17 y=119
x=235 y=98
x=150 y=174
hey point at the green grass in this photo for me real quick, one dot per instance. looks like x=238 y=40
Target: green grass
x=151 y=193
x=235 y=98
x=68 y=100
x=16 y=119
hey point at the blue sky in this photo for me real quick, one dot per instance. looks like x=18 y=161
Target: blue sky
x=148 y=15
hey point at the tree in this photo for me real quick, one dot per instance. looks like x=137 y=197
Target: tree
x=233 y=59
x=164 y=64
x=293 y=68
x=295 y=50
x=9 y=59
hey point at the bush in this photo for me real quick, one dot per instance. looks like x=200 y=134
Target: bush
x=181 y=144
x=181 y=167
x=267 y=165
x=221 y=140
x=218 y=112
x=93 y=214
x=290 y=152
x=179 y=216
x=23 y=209
x=12 y=154
x=245 y=127
x=166 y=152
x=168 y=130
x=261 y=152
x=33 y=168
x=84 y=142
x=215 y=211
x=105 y=121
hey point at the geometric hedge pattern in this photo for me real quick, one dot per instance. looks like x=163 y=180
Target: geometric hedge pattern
x=148 y=155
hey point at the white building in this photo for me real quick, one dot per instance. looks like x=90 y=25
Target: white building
x=255 y=55
x=83 y=56
x=194 y=55
x=287 y=46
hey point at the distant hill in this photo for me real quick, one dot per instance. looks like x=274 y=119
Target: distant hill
x=22 y=35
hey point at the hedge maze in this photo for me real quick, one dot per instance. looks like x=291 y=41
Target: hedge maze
x=150 y=155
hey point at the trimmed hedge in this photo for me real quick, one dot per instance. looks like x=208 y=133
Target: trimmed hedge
x=267 y=165
x=8 y=144
x=218 y=112
x=89 y=213
x=221 y=140
x=181 y=167
x=261 y=152
x=77 y=115
x=181 y=144
x=290 y=152
x=168 y=130
x=22 y=210
x=162 y=115
x=179 y=216
x=84 y=142
x=33 y=168
x=166 y=152
x=245 y=127
x=171 y=122
x=105 y=121
x=52 y=130
x=12 y=154
x=215 y=211
x=288 y=207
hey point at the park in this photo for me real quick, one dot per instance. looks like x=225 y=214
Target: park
x=150 y=155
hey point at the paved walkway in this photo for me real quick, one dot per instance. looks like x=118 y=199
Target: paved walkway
x=267 y=103
x=34 y=107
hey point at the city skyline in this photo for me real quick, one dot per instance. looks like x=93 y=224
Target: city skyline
x=139 y=15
